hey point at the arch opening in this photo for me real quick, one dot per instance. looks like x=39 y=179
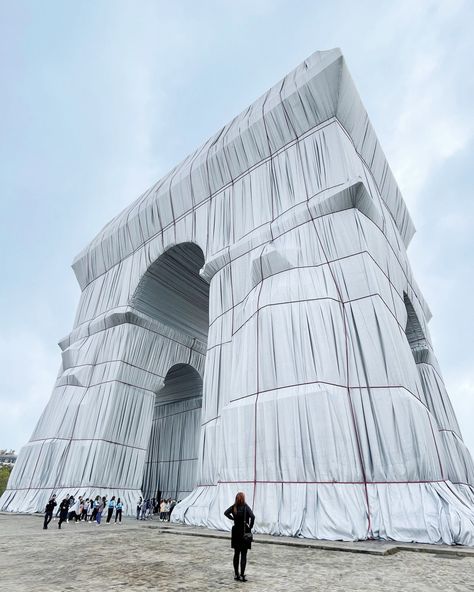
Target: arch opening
x=173 y=293
x=171 y=465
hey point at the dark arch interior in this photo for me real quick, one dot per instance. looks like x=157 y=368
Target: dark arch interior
x=171 y=463
x=173 y=292
x=182 y=382
x=414 y=331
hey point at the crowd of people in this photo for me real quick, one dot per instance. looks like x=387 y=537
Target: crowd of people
x=92 y=510
x=149 y=507
x=89 y=510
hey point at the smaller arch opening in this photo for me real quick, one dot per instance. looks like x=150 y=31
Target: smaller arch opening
x=413 y=330
x=171 y=465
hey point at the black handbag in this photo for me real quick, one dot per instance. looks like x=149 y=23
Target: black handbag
x=248 y=536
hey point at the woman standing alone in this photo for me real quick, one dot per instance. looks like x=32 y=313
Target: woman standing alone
x=241 y=539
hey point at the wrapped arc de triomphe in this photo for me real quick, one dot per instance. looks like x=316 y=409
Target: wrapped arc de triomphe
x=252 y=323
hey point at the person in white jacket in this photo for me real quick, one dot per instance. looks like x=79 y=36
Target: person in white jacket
x=76 y=509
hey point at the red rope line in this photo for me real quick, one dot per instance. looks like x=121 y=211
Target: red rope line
x=283 y=482
x=86 y=440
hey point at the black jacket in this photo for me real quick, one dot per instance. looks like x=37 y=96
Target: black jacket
x=50 y=506
x=243 y=522
x=64 y=509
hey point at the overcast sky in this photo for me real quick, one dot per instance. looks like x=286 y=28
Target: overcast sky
x=100 y=98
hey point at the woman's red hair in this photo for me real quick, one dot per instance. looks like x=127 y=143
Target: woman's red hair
x=239 y=500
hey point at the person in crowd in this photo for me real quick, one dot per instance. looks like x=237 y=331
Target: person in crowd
x=241 y=538
x=93 y=509
x=172 y=505
x=118 y=511
x=100 y=509
x=85 y=509
x=162 y=510
x=144 y=507
x=63 y=511
x=110 y=508
x=48 y=511
x=59 y=507
x=139 y=507
x=72 y=501
x=81 y=509
x=70 y=514
x=75 y=510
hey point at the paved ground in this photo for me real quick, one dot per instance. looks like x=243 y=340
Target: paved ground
x=140 y=556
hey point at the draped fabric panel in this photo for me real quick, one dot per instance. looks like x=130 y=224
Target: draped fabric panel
x=272 y=264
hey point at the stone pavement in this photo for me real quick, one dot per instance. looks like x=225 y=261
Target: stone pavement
x=139 y=556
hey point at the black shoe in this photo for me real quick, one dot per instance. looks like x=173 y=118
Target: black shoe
x=243 y=578
x=237 y=577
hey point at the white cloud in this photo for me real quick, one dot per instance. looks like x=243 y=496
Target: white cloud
x=430 y=126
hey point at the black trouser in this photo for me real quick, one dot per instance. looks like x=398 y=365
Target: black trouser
x=118 y=514
x=47 y=519
x=110 y=511
x=62 y=518
x=243 y=561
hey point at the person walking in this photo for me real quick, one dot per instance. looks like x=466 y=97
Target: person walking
x=241 y=538
x=118 y=511
x=48 y=511
x=110 y=508
x=59 y=507
x=63 y=511
x=70 y=514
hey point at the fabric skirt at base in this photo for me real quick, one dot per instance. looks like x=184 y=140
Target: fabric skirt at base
x=433 y=513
